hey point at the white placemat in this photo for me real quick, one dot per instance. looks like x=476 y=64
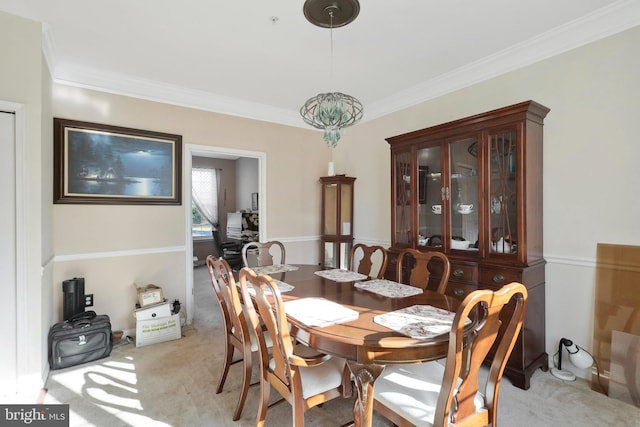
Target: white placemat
x=276 y=268
x=388 y=288
x=282 y=286
x=339 y=275
x=418 y=321
x=316 y=311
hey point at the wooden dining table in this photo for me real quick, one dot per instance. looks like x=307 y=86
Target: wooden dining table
x=366 y=345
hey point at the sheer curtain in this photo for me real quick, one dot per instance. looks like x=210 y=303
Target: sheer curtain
x=205 y=184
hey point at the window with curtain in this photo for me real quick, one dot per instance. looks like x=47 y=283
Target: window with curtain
x=204 y=206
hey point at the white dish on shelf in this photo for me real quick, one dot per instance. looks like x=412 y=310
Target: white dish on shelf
x=465 y=209
x=460 y=244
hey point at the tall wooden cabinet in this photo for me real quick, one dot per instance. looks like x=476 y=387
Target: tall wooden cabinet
x=472 y=188
x=337 y=220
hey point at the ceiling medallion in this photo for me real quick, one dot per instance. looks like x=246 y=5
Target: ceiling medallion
x=331 y=111
x=331 y=13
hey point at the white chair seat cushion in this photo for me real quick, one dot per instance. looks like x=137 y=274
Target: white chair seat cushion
x=412 y=391
x=254 y=339
x=320 y=378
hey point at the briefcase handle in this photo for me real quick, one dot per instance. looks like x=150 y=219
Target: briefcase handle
x=82 y=316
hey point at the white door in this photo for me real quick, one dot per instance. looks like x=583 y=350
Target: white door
x=8 y=318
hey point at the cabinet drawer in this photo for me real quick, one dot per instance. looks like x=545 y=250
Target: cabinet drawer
x=464 y=273
x=459 y=290
x=499 y=276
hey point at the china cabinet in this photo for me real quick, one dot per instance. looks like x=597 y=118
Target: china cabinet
x=337 y=220
x=472 y=188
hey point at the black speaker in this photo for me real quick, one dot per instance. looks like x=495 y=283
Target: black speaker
x=74 y=301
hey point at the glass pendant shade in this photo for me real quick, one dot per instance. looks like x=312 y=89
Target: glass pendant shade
x=331 y=112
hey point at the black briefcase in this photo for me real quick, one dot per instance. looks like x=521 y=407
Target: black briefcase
x=82 y=338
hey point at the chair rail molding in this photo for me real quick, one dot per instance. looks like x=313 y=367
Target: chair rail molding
x=566 y=260
x=116 y=254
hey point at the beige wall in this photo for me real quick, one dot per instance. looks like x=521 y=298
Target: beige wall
x=590 y=179
x=46 y=291
x=591 y=176
x=155 y=237
x=24 y=81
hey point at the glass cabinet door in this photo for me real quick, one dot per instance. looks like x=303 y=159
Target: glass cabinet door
x=463 y=195
x=336 y=255
x=337 y=220
x=402 y=196
x=338 y=211
x=346 y=209
x=330 y=224
x=430 y=204
x=503 y=192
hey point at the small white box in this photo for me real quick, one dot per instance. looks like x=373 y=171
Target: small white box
x=155 y=311
x=149 y=295
x=160 y=329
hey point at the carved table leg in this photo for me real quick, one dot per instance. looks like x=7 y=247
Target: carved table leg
x=365 y=375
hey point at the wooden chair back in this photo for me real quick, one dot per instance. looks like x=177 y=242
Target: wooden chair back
x=365 y=256
x=275 y=322
x=228 y=325
x=281 y=367
x=223 y=275
x=419 y=273
x=238 y=335
x=460 y=399
x=265 y=257
x=456 y=402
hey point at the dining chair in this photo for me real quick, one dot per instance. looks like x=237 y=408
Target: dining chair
x=298 y=373
x=238 y=335
x=264 y=252
x=230 y=250
x=366 y=256
x=430 y=394
x=419 y=266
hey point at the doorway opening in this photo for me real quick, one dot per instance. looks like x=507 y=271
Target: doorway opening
x=239 y=200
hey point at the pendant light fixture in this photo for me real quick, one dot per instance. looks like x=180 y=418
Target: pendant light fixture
x=331 y=111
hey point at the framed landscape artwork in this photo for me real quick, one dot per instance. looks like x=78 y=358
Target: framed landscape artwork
x=102 y=164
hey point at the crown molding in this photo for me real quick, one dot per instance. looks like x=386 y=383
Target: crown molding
x=126 y=85
x=607 y=21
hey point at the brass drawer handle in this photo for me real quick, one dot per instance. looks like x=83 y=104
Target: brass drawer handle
x=458 y=272
x=498 y=278
x=458 y=292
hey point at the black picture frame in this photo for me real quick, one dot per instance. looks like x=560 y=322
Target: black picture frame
x=102 y=164
x=254 y=201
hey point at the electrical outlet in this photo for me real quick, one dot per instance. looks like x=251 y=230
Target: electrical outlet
x=88 y=300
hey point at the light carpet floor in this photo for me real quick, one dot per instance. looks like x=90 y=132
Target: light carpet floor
x=173 y=384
